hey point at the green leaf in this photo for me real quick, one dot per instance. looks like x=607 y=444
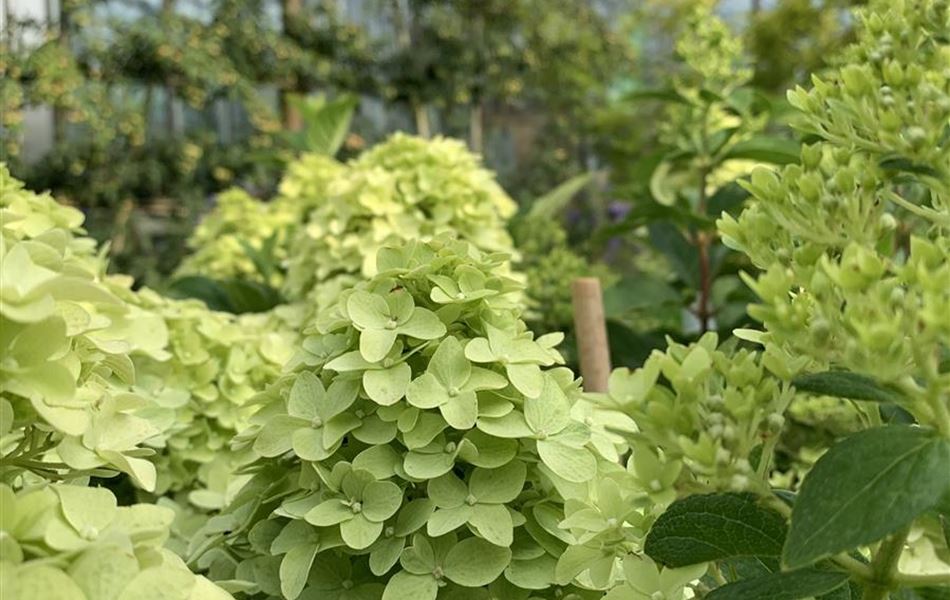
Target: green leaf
x=779 y=151
x=844 y=384
x=209 y=291
x=805 y=583
x=101 y=571
x=550 y=205
x=461 y=412
x=709 y=527
x=729 y=198
x=573 y=464
x=329 y=513
x=359 y=532
x=387 y=386
x=447 y=491
x=276 y=437
x=375 y=344
x=864 y=488
x=326 y=123
x=498 y=486
x=683 y=256
x=900 y=163
x=662 y=94
x=295 y=569
x=474 y=562
x=447 y=520
x=381 y=500
x=406 y=586
x=47 y=583
x=493 y=522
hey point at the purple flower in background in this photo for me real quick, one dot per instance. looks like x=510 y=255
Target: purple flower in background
x=618 y=210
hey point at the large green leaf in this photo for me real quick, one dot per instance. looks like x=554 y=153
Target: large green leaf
x=805 y=583
x=683 y=256
x=474 y=562
x=843 y=384
x=230 y=295
x=295 y=568
x=775 y=150
x=864 y=488
x=326 y=123
x=550 y=205
x=710 y=527
x=406 y=586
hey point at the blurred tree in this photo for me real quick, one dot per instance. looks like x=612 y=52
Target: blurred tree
x=794 y=38
x=103 y=66
x=468 y=57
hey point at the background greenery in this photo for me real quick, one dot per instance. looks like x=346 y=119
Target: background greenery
x=157 y=106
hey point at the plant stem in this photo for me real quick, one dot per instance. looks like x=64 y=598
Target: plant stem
x=922 y=580
x=884 y=567
x=717 y=574
x=702 y=242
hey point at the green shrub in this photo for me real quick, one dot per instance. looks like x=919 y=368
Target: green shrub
x=402 y=189
x=75 y=543
x=419 y=442
x=854 y=296
x=68 y=341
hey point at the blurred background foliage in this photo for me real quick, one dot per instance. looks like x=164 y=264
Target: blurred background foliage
x=620 y=126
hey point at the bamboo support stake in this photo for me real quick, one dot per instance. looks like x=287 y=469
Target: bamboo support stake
x=591 y=331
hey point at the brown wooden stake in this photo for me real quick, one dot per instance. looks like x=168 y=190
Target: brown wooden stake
x=591 y=331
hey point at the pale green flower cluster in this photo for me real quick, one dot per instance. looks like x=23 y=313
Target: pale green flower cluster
x=402 y=189
x=217 y=363
x=698 y=428
x=549 y=265
x=853 y=241
x=423 y=439
x=74 y=543
x=68 y=345
x=97 y=378
x=225 y=242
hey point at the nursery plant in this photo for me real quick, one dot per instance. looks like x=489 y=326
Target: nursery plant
x=853 y=297
x=714 y=127
x=403 y=188
x=70 y=411
x=417 y=448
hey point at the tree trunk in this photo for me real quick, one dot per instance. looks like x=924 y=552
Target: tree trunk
x=476 y=127
x=421 y=113
x=290 y=114
x=172 y=125
x=59 y=112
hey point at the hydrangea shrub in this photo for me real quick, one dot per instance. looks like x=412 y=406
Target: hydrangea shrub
x=71 y=542
x=852 y=244
x=402 y=189
x=420 y=445
x=68 y=342
x=242 y=228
